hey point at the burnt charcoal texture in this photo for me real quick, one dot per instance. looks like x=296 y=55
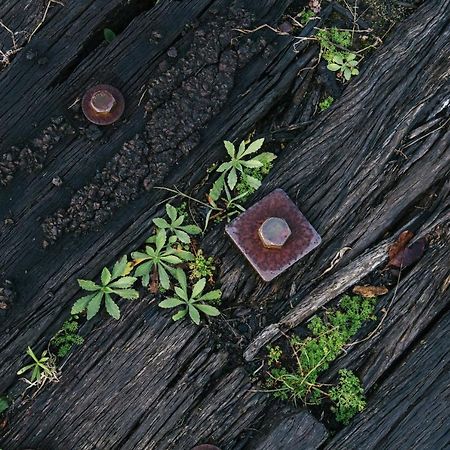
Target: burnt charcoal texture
x=32 y=157
x=180 y=102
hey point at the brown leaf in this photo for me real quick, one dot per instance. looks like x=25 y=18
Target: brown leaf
x=370 y=291
x=400 y=244
x=409 y=255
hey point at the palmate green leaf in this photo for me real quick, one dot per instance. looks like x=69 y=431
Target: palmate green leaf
x=350 y=57
x=194 y=314
x=25 y=369
x=36 y=375
x=198 y=288
x=81 y=304
x=171 y=259
x=217 y=188
x=208 y=310
x=211 y=295
x=252 y=164
x=129 y=294
x=184 y=255
x=338 y=59
x=141 y=255
x=163 y=277
x=179 y=315
x=333 y=67
x=191 y=229
x=232 y=178
x=31 y=354
x=111 y=307
x=171 y=212
x=161 y=223
x=230 y=149
x=182 y=236
x=124 y=282
x=347 y=73
x=88 y=285
x=241 y=150
x=252 y=181
x=253 y=147
x=105 y=276
x=171 y=302
x=265 y=157
x=160 y=239
x=181 y=293
x=119 y=267
x=224 y=167
x=93 y=306
x=143 y=271
x=181 y=278
x=355 y=72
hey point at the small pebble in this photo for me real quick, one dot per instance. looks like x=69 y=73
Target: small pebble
x=56 y=181
x=172 y=52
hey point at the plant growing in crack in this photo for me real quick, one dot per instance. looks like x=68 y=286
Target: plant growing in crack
x=111 y=284
x=67 y=337
x=193 y=303
x=348 y=396
x=233 y=170
x=159 y=259
x=297 y=379
x=345 y=65
x=42 y=369
x=176 y=227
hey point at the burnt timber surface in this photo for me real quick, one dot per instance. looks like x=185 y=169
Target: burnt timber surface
x=376 y=163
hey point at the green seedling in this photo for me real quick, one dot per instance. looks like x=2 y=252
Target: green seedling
x=234 y=169
x=326 y=103
x=159 y=258
x=109 y=35
x=345 y=65
x=40 y=367
x=193 y=303
x=176 y=227
x=111 y=284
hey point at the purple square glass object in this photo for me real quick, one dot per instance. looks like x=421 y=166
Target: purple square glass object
x=273 y=234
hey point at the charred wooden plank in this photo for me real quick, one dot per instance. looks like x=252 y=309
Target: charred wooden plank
x=409 y=408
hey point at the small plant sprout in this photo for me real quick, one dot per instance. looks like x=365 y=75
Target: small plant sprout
x=111 y=284
x=326 y=103
x=42 y=368
x=348 y=396
x=4 y=404
x=67 y=337
x=159 y=259
x=109 y=35
x=202 y=266
x=192 y=304
x=234 y=169
x=176 y=227
x=345 y=65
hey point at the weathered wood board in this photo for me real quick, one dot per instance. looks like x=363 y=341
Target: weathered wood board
x=378 y=162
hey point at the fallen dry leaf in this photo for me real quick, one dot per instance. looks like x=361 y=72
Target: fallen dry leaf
x=370 y=291
x=409 y=255
x=400 y=244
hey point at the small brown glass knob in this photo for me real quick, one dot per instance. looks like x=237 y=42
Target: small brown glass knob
x=274 y=232
x=103 y=104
